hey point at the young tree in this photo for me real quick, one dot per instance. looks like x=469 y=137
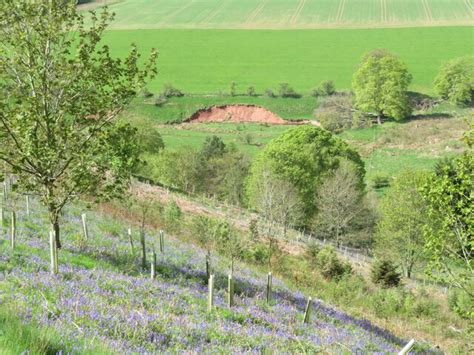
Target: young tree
x=61 y=92
x=231 y=243
x=303 y=157
x=380 y=86
x=339 y=203
x=400 y=229
x=455 y=81
x=449 y=235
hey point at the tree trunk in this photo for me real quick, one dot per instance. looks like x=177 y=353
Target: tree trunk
x=56 y=230
x=379 y=118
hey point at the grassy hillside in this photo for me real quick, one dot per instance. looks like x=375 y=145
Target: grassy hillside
x=289 y=13
x=102 y=296
x=207 y=61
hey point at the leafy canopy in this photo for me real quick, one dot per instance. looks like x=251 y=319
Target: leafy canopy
x=380 y=86
x=61 y=92
x=455 y=81
x=303 y=156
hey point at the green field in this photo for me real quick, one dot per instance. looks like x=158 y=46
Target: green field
x=288 y=13
x=207 y=61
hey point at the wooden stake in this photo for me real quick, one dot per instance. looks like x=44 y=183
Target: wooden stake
x=142 y=242
x=162 y=241
x=84 y=226
x=230 y=291
x=269 y=287
x=210 y=295
x=13 y=231
x=27 y=198
x=53 y=253
x=407 y=347
x=307 y=311
x=153 y=264
x=130 y=238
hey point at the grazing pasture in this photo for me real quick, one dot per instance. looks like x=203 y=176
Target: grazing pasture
x=207 y=61
x=277 y=14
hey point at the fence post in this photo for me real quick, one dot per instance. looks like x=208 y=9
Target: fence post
x=230 y=290
x=162 y=241
x=269 y=287
x=53 y=253
x=5 y=191
x=210 y=296
x=407 y=347
x=84 y=226
x=307 y=311
x=13 y=231
x=153 y=264
x=142 y=241
x=1 y=219
x=130 y=239
x=27 y=198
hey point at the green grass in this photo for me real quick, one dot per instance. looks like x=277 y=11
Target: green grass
x=289 y=13
x=207 y=61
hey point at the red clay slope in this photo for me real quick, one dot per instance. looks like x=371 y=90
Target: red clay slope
x=240 y=113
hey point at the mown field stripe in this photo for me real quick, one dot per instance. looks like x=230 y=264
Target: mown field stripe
x=340 y=10
x=177 y=12
x=215 y=12
x=383 y=10
x=426 y=7
x=298 y=11
x=253 y=15
x=469 y=6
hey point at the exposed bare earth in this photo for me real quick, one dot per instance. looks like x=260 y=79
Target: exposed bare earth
x=240 y=113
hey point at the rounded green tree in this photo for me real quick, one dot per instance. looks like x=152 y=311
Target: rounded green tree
x=380 y=86
x=302 y=156
x=455 y=81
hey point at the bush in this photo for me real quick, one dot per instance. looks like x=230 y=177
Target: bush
x=329 y=264
x=172 y=215
x=385 y=273
x=336 y=113
x=269 y=93
x=170 y=91
x=380 y=181
x=460 y=303
x=251 y=91
x=233 y=89
x=286 y=90
x=312 y=251
x=160 y=101
x=145 y=93
x=326 y=88
x=454 y=82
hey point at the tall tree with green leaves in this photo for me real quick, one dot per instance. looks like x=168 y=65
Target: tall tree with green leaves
x=302 y=157
x=399 y=235
x=60 y=94
x=455 y=81
x=380 y=86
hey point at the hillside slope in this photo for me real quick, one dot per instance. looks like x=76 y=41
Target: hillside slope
x=101 y=295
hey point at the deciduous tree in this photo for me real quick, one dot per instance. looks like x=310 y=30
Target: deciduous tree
x=60 y=93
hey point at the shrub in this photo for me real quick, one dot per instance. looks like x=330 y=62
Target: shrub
x=380 y=181
x=460 y=303
x=233 y=89
x=326 y=88
x=286 y=90
x=454 y=82
x=160 y=101
x=336 y=113
x=251 y=91
x=312 y=251
x=385 y=273
x=145 y=93
x=170 y=91
x=172 y=215
x=329 y=264
x=269 y=93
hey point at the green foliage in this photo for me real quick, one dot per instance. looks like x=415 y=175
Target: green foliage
x=57 y=110
x=172 y=217
x=170 y=91
x=213 y=147
x=380 y=181
x=461 y=303
x=233 y=89
x=455 y=81
x=403 y=213
x=150 y=140
x=285 y=90
x=269 y=93
x=251 y=91
x=384 y=272
x=380 y=86
x=302 y=156
x=326 y=88
x=448 y=236
x=329 y=265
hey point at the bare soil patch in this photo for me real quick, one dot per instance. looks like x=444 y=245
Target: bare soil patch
x=240 y=113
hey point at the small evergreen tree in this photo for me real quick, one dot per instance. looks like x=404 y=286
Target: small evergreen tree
x=385 y=273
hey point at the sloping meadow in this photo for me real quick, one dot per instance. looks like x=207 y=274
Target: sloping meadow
x=102 y=294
